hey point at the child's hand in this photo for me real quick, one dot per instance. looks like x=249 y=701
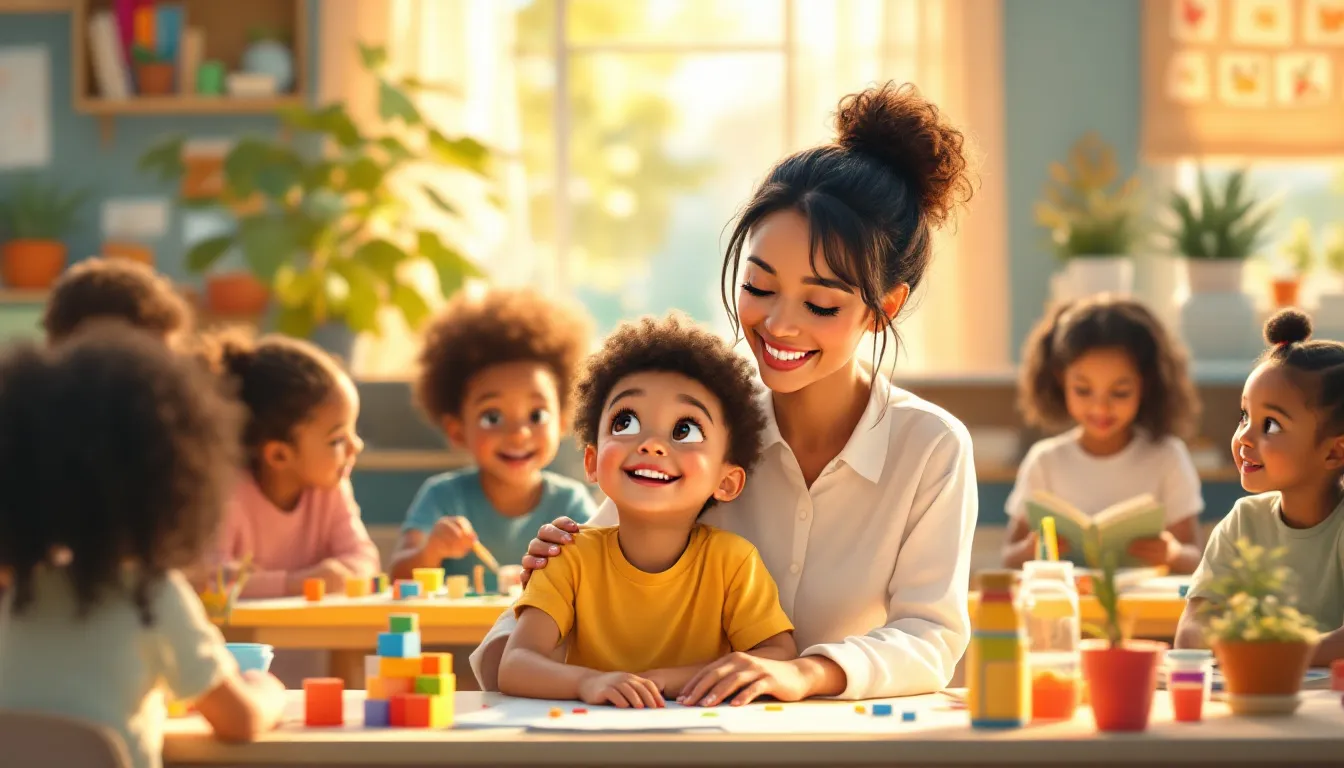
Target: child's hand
x=270 y=694
x=671 y=680
x=550 y=539
x=451 y=538
x=621 y=689
x=1158 y=550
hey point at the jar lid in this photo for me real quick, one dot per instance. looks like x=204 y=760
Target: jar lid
x=998 y=580
x=1048 y=569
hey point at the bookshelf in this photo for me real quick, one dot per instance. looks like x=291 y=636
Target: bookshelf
x=35 y=6
x=226 y=29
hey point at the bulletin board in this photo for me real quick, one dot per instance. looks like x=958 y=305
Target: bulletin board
x=1258 y=78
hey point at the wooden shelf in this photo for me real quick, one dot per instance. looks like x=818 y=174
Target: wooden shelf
x=186 y=105
x=14 y=296
x=35 y=6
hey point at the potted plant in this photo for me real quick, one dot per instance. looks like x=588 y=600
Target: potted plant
x=1262 y=642
x=1296 y=256
x=33 y=220
x=153 y=72
x=330 y=234
x=1121 y=673
x=1093 y=220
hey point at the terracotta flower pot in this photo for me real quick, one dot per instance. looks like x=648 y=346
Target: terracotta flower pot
x=1121 y=682
x=1285 y=292
x=32 y=264
x=236 y=294
x=154 y=79
x=1274 y=669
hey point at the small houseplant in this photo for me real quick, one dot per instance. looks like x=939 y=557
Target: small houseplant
x=1296 y=257
x=33 y=220
x=1093 y=219
x=1262 y=642
x=153 y=72
x=328 y=234
x=1121 y=673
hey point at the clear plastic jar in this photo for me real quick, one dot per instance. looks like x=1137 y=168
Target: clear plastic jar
x=1050 y=600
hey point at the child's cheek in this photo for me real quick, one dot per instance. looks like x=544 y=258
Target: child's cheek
x=481 y=444
x=610 y=458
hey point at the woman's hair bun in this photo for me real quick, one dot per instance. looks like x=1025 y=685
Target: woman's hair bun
x=1288 y=326
x=900 y=127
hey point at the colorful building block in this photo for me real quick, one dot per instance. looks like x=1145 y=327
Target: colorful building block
x=436 y=663
x=907 y=716
x=387 y=687
x=436 y=685
x=323 y=701
x=314 y=589
x=379 y=583
x=399 y=645
x=881 y=710
x=429 y=579
x=377 y=713
x=406 y=589
x=403 y=622
x=774 y=707
x=393 y=667
x=556 y=712
x=357 y=587
x=478 y=578
x=428 y=711
x=396 y=710
x=372 y=668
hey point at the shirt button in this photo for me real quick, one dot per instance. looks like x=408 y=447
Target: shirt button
x=802 y=514
x=794 y=568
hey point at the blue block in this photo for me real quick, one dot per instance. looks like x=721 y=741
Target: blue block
x=407 y=589
x=880 y=710
x=377 y=713
x=907 y=717
x=1184 y=589
x=398 y=645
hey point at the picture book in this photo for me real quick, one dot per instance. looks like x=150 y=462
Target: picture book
x=1111 y=530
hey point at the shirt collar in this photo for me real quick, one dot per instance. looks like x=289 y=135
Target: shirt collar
x=866 y=450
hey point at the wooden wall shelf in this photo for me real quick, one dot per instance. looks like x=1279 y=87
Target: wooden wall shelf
x=35 y=6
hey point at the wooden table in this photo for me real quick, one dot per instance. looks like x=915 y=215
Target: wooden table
x=1314 y=735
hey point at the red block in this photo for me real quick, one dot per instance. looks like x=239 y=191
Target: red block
x=322 y=701
x=397 y=710
x=417 y=710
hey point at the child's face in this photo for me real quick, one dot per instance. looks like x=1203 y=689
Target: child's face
x=803 y=324
x=510 y=421
x=324 y=448
x=1102 y=392
x=1276 y=445
x=661 y=448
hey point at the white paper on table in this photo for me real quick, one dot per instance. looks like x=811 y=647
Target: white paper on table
x=25 y=107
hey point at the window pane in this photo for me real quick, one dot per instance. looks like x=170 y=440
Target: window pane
x=684 y=22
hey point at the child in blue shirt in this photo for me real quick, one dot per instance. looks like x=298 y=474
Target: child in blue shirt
x=495 y=374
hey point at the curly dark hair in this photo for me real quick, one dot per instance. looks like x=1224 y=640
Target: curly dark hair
x=114 y=449
x=114 y=289
x=896 y=171
x=674 y=344
x=1168 y=404
x=280 y=380
x=1317 y=365
x=502 y=326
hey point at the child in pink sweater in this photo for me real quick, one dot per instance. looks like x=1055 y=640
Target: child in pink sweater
x=292 y=515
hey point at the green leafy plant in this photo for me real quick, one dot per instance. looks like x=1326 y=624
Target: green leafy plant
x=1332 y=252
x=1108 y=596
x=1298 y=252
x=1255 y=601
x=1227 y=225
x=1087 y=210
x=36 y=211
x=332 y=232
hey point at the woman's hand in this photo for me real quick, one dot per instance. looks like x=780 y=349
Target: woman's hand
x=1157 y=550
x=550 y=539
x=744 y=678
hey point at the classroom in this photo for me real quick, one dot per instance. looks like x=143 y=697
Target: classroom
x=671 y=382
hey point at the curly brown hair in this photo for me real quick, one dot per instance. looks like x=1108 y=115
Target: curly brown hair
x=115 y=449
x=673 y=344
x=114 y=289
x=502 y=326
x=1316 y=365
x=1168 y=404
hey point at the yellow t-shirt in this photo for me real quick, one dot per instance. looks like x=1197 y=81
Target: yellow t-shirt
x=718 y=597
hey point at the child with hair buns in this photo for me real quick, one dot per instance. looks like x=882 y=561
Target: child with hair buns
x=1289 y=449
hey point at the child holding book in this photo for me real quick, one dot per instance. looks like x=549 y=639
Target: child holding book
x=670 y=425
x=116 y=455
x=495 y=374
x=1289 y=449
x=1108 y=367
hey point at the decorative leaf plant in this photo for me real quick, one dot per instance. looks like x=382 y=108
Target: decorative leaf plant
x=1104 y=589
x=1229 y=224
x=329 y=232
x=1298 y=252
x=36 y=211
x=1087 y=209
x=1255 y=601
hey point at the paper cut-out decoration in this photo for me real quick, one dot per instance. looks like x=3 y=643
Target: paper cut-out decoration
x=1262 y=22
x=1303 y=79
x=1189 y=79
x=1194 y=21
x=1243 y=80
x=1323 y=22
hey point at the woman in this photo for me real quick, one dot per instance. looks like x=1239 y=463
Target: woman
x=864 y=503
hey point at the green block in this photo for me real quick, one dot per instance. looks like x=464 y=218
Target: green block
x=403 y=622
x=435 y=685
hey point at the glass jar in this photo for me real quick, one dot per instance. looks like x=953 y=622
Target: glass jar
x=1050 y=602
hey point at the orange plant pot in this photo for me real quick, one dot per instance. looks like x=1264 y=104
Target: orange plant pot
x=154 y=79
x=1121 y=682
x=1285 y=292
x=236 y=294
x=1274 y=669
x=129 y=251
x=32 y=264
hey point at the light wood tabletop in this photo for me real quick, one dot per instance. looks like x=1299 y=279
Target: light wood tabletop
x=1315 y=734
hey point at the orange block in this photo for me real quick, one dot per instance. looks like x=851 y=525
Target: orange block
x=436 y=663
x=322 y=701
x=387 y=687
x=313 y=589
x=391 y=667
x=429 y=711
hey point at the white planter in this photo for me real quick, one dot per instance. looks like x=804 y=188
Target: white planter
x=1089 y=275
x=1214 y=275
x=1328 y=319
x=1218 y=320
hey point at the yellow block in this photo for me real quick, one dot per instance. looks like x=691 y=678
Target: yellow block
x=441 y=711
x=430 y=580
x=357 y=587
x=389 y=667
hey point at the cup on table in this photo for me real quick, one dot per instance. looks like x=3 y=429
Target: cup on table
x=457 y=586
x=1190 y=682
x=252 y=656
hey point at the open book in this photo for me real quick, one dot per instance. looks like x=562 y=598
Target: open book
x=1112 y=529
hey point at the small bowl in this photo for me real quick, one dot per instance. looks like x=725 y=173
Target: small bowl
x=252 y=656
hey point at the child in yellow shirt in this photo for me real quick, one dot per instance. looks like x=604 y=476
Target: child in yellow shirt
x=670 y=424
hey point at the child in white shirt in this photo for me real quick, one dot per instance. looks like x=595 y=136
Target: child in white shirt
x=1109 y=367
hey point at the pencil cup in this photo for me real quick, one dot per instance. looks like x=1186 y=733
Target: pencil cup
x=1190 y=683
x=252 y=656
x=457 y=586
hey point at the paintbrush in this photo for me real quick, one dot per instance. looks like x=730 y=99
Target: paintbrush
x=485 y=557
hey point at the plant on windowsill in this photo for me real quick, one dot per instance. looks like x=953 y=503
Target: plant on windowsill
x=1093 y=219
x=153 y=72
x=1262 y=642
x=1295 y=259
x=1121 y=673
x=1215 y=232
x=330 y=235
x=34 y=219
